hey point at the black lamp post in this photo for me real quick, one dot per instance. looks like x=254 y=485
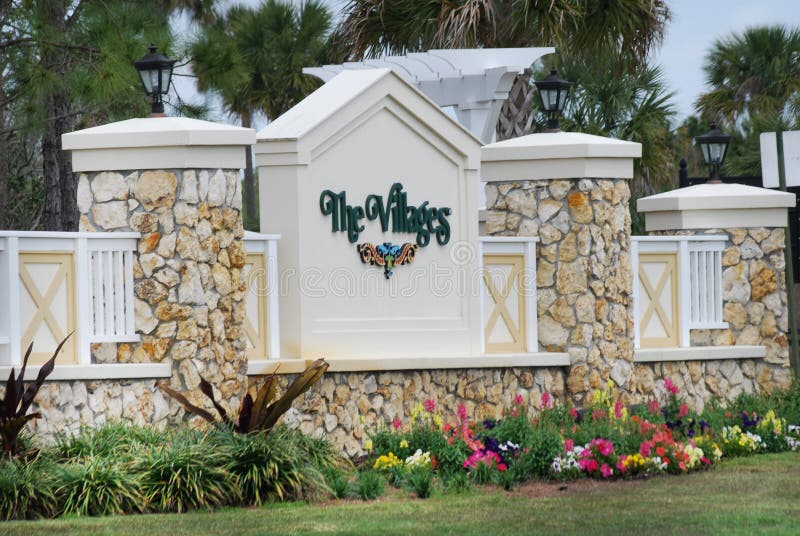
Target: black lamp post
x=553 y=92
x=155 y=71
x=714 y=146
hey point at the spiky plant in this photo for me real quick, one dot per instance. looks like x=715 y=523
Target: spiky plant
x=262 y=413
x=18 y=399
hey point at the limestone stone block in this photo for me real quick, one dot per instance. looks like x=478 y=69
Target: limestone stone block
x=548 y=208
x=110 y=215
x=85 y=197
x=579 y=207
x=156 y=189
x=109 y=185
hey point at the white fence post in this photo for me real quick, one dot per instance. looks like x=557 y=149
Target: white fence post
x=273 y=295
x=685 y=290
x=83 y=290
x=14 y=328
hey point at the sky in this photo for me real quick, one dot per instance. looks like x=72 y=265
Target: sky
x=695 y=25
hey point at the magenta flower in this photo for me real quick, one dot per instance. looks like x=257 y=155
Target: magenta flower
x=546 y=401
x=573 y=413
x=606 y=471
x=569 y=444
x=397 y=423
x=518 y=400
x=461 y=412
x=430 y=405
x=654 y=408
x=683 y=410
x=618 y=410
x=670 y=387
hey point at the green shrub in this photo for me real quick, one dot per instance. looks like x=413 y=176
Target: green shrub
x=368 y=485
x=26 y=489
x=420 y=481
x=116 y=439
x=278 y=466
x=186 y=474
x=337 y=481
x=99 y=486
x=456 y=482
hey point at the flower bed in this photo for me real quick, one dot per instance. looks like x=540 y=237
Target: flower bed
x=605 y=440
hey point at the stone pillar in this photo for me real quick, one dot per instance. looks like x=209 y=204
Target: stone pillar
x=753 y=284
x=571 y=190
x=177 y=182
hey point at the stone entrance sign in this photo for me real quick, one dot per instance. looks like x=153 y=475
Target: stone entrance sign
x=371 y=187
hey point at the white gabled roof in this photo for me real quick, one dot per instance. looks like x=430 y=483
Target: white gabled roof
x=716 y=197
x=158 y=132
x=343 y=101
x=548 y=145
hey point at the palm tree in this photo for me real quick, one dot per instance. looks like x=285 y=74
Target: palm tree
x=253 y=60
x=632 y=106
x=630 y=28
x=754 y=81
x=756 y=72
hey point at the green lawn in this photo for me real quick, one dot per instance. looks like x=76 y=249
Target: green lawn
x=757 y=495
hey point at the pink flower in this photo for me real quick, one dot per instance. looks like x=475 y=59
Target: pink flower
x=670 y=387
x=654 y=407
x=683 y=410
x=604 y=446
x=501 y=467
x=682 y=465
x=618 y=410
x=621 y=464
x=644 y=449
x=430 y=405
x=546 y=401
x=518 y=400
x=705 y=460
x=573 y=413
x=462 y=412
x=569 y=444
x=397 y=423
x=606 y=471
x=589 y=465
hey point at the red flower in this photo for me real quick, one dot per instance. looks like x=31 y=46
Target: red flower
x=546 y=401
x=618 y=410
x=660 y=451
x=670 y=387
x=501 y=467
x=430 y=405
x=573 y=413
x=683 y=410
x=397 y=423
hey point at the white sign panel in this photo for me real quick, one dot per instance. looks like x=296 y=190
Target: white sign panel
x=791 y=158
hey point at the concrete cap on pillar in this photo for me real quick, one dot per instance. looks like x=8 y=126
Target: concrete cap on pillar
x=558 y=155
x=716 y=206
x=158 y=143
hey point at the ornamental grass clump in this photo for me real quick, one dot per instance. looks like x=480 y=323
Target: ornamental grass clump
x=186 y=474
x=27 y=489
x=368 y=485
x=115 y=439
x=99 y=486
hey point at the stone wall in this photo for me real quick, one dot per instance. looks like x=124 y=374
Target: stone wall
x=755 y=307
x=189 y=293
x=67 y=406
x=584 y=276
x=346 y=407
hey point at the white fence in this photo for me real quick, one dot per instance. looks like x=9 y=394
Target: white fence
x=508 y=294
x=677 y=287
x=261 y=277
x=56 y=283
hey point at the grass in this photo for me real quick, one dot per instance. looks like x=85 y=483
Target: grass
x=760 y=494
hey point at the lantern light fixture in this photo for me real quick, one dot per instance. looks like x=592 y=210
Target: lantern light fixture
x=554 y=92
x=155 y=72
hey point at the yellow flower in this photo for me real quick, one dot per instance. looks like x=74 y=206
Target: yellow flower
x=403 y=444
x=368 y=444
